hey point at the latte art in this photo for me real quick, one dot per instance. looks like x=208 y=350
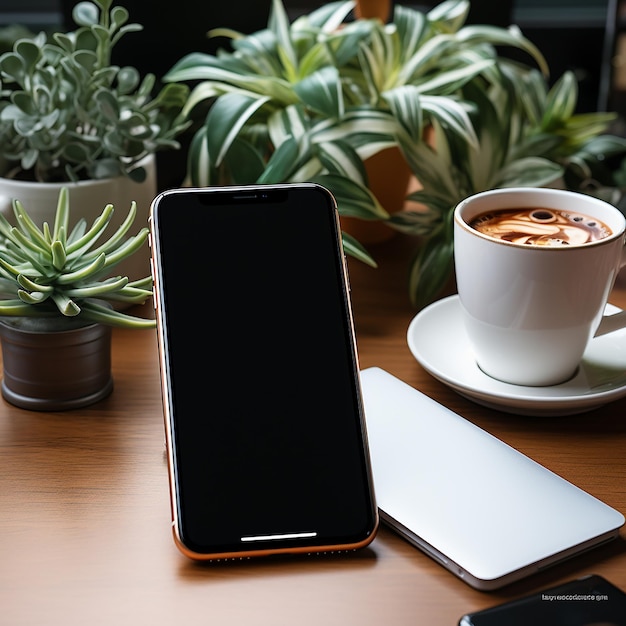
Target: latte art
x=541 y=227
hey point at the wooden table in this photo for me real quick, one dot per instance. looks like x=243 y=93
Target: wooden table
x=85 y=533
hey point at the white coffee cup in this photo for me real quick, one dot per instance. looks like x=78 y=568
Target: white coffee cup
x=530 y=311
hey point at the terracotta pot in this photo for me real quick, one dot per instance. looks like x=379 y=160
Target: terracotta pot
x=87 y=200
x=373 y=8
x=389 y=180
x=54 y=371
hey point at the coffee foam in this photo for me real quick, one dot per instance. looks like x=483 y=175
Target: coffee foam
x=541 y=227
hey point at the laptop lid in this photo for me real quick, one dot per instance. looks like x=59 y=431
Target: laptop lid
x=483 y=510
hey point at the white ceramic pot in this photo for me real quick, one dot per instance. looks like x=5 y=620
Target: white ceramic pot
x=87 y=200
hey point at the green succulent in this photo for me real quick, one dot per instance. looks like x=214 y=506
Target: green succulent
x=68 y=114
x=50 y=272
x=10 y=34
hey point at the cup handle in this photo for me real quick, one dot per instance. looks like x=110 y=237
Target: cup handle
x=617 y=321
x=611 y=323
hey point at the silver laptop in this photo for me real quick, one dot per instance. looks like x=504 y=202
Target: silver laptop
x=481 y=509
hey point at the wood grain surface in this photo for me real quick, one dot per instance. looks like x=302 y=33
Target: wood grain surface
x=85 y=534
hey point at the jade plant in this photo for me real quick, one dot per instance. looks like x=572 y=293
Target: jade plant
x=52 y=272
x=67 y=113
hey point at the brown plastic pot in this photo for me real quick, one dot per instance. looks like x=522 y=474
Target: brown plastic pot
x=54 y=371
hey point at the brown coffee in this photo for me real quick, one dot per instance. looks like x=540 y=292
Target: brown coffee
x=541 y=227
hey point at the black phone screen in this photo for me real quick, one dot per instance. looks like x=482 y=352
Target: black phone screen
x=265 y=417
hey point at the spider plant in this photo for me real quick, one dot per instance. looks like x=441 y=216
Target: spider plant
x=278 y=114
x=311 y=100
x=528 y=135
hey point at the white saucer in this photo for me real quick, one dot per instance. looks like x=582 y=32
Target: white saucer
x=437 y=339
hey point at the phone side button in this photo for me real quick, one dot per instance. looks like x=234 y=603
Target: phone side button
x=344 y=263
x=154 y=284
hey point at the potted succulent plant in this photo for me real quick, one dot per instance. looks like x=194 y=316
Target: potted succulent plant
x=57 y=298
x=70 y=117
x=316 y=98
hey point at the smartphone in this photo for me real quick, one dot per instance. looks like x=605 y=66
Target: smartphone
x=264 y=420
x=588 y=601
